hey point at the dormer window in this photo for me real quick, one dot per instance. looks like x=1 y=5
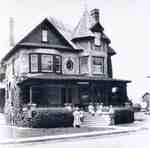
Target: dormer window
x=44 y=35
x=97 y=38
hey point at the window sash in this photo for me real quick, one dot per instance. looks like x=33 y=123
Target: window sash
x=83 y=64
x=34 y=63
x=46 y=63
x=97 y=39
x=98 y=65
x=57 y=64
x=44 y=35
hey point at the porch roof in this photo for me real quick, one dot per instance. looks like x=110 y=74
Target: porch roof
x=59 y=77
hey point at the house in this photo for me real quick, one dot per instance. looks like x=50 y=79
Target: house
x=51 y=66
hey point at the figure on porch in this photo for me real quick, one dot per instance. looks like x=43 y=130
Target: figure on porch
x=99 y=109
x=81 y=114
x=91 y=109
x=76 y=115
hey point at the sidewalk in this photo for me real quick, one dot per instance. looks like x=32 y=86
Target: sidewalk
x=125 y=128
x=69 y=136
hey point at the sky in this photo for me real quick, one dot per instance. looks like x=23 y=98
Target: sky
x=126 y=22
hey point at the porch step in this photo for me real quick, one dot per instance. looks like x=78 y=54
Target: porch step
x=96 y=120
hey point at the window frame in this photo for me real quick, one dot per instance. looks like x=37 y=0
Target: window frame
x=41 y=64
x=97 y=39
x=39 y=55
x=44 y=35
x=60 y=64
x=80 y=71
x=102 y=71
x=30 y=67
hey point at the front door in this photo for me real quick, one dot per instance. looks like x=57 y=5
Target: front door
x=84 y=95
x=66 y=95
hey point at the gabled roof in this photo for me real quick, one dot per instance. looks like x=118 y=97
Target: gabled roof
x=83 y=27
x=65 y=31
x=59 y=26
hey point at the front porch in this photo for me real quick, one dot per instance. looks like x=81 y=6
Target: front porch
x=78 y=92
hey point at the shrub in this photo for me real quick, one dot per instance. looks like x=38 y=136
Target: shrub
x=51 y=118
x=123 y=115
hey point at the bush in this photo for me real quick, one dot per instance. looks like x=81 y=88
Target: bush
x=51 y=118
x=124 y=115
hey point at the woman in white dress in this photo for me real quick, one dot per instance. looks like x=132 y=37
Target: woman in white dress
x=76 y=115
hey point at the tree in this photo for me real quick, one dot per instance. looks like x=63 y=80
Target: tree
x=146 y=99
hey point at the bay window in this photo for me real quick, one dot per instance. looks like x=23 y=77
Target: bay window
x=84 y=64
x=33 y=63
x=58 y=64
x=98 y=65
x=46 y=63
x=40 y=62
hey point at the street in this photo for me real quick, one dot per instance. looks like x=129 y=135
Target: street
x=136 y=140
x=126 y=140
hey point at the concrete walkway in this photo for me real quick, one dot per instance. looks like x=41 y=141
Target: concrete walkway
x=118 y=130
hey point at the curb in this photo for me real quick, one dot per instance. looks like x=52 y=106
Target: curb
x=70 y=136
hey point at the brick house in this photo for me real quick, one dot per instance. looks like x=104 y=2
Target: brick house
x=52 y=66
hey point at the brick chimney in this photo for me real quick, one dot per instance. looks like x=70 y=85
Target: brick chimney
x=94 y=16
x=11 y=31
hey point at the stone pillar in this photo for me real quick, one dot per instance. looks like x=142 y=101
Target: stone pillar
x=106 y=91
x=30 y=92
x=91 y=95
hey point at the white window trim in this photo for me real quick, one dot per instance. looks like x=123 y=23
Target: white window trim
x=100 y=67
x=44 y=35
x=97 y=39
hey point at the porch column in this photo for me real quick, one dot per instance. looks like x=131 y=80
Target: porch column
x=107 y=94
x=91 y=95
x=30 y=92
x=124 y=93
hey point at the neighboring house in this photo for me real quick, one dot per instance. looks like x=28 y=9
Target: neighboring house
x=52 y=66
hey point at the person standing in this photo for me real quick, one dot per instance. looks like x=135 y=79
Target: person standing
x=81 y=115
x=76 y=115
x=91 y=109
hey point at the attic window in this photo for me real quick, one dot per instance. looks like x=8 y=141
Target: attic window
x=44 y=35
x=97 y=38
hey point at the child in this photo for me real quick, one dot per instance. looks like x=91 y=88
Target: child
x=81 y=115
x=91 y=109
x=76 y=115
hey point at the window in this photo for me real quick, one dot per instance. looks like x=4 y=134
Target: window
x=83 y=65
x=69 y=65
x=57 y=64
x=97 y=38
x=34 y=62
x=46 y=63
x=98 y=65
x=44 y=35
